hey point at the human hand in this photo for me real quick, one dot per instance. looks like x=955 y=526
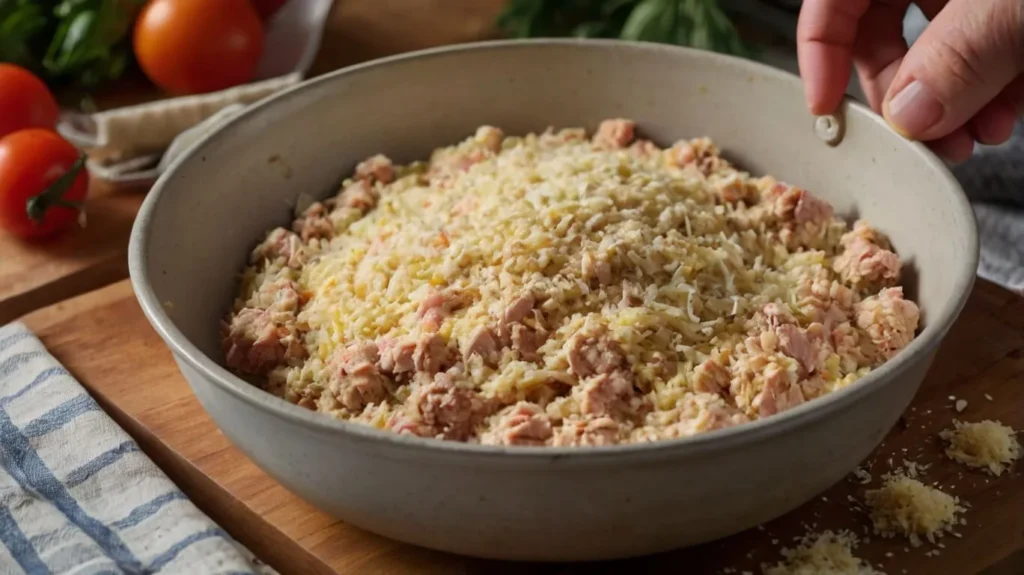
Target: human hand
x=959 y=83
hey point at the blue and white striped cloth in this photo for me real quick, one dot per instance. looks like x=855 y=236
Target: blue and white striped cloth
x=77 y=496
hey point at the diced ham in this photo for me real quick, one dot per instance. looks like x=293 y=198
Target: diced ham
x=396 y=356
x=700 y=154
x=864 y=263
x=432 y=311
x=355 y=380
x=811 y=209
x=265 y=334
x=615 y=134
x=527 y=341
x=793 y=204
x=521 y=424
x=794 y=342
x=358 y=357
x=711 y=377
x=490 y=138
x=864 y=231
x=437 y=306
x=591 y=355
x=448 y=410
x=279 y=296
x=604 y=393
x=482 y=343
x=253 y=342
x=889 y=320
x=377 y=168
x=357 y=195
x=314 y=223
x=771 y=316
x=778 y=393
x=518 y=309
x=281 y=244
x=430 y=354
x=587 y=431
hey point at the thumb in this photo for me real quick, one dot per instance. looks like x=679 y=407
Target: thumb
x=971 y=50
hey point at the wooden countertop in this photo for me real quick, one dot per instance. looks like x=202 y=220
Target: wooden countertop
x=103 y=339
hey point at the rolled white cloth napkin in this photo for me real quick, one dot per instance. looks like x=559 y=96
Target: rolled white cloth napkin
x=77 y=495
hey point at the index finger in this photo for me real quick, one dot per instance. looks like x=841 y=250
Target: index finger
x=825 y=35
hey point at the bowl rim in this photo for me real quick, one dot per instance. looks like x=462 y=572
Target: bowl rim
x=940 y=320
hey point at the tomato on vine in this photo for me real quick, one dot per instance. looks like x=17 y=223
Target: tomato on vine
x=43 y=183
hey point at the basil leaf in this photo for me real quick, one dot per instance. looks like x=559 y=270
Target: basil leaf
x=649 y=21
x=590 y=30
x=21 y=21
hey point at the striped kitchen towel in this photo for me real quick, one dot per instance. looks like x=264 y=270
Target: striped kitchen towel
x=77 y=496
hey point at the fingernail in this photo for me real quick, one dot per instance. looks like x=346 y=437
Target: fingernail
x=913 y=110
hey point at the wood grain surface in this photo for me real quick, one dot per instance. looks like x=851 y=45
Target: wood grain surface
x=104 y=340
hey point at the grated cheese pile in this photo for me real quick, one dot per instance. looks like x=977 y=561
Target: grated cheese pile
x=904 y=506
x=987 y=445
x=557 y=289
x=827 y=553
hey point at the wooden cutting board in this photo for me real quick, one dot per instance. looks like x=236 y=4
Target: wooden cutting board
x=104 y=340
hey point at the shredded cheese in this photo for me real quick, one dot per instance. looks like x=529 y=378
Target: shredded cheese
x=826 y=553
x=906 y=507
x=987 y=445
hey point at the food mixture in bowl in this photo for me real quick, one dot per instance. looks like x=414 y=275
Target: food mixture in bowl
x=559 y=289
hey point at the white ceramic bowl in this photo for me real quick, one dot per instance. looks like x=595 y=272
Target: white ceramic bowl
x=201 y=219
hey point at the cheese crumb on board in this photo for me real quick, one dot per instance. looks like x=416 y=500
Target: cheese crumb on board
x=961 y=404
x=905 y=506
x=862 y=475
x=987 y=445
x=825 y=553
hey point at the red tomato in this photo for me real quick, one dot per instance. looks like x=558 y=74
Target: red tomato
x=43 y=182
x=196 y=46
x=267 y=8
x=25 y=101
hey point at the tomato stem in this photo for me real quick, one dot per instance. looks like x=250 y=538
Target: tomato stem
x=53 y=196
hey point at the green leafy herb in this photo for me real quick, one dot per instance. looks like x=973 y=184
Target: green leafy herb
x=696 y=23
x=77 y=42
